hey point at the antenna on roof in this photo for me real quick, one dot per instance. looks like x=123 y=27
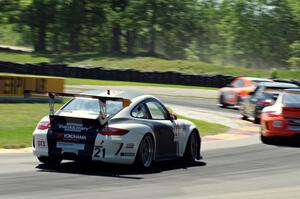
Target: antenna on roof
x=108 y=92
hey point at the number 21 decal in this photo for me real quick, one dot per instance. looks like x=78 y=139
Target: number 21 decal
x=99 y=152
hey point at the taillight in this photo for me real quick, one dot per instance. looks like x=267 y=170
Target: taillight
x=113 y=131
x=266 y=102
x=273 y=113
x=43 y=125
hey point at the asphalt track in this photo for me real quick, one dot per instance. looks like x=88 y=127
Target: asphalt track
x=250 y=171
x=231 y=169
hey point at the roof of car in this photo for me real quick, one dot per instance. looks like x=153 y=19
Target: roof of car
x=114 y=93
x=278 y=85
x=257 y=79
x=293 y=90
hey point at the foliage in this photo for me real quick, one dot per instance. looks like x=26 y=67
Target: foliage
x=253 y=33
x=294 y=60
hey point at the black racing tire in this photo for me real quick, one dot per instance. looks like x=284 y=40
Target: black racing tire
x=256 y=118
x=266 y=140
x=145 y=155
x=192 y=149
x=242 y=111
x=50 y=161
x=244 y=117
x=221 y=101
x=239 y=100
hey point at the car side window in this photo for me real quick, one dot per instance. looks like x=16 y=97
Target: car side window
x=259 y=92
x=157 y=112
x=140 y=112
x=239 y=83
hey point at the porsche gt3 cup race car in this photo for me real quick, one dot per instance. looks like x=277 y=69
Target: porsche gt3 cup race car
x=114 y=127
x=232 y=94
x=283 y=118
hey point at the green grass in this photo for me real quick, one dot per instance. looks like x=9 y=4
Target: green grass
x=18 y=121
x=23 y=57
x=145 y=64
x=77 y=81
x=206 y=128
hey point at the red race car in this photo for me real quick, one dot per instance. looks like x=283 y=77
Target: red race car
x=283 y=118
x=232 y=94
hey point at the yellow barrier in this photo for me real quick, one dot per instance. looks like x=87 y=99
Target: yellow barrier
x=14 y=85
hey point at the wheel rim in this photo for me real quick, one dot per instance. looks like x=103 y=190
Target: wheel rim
x=147 y=151
x=194 y=146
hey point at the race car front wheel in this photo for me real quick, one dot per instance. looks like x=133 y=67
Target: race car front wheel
x=146 y=152
x=50 y=161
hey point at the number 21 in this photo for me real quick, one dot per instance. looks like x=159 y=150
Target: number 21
x=99 y=151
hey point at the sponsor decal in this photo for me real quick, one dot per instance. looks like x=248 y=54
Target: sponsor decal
x=127 y=154
x=70 y=136
x=41 y=143
x=73 y=127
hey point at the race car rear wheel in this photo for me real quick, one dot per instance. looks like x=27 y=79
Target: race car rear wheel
x=266 y=140
x=244 y=117
x=256 y=118
x=51 y=161
x=192 y=148
x=146 y=152
x=221 y=101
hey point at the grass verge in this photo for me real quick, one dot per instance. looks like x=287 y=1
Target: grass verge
x=18 y=121
x=206 y=128
x=146 y=64
x=77 y=81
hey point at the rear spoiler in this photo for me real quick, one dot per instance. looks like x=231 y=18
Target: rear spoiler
x=102 y=99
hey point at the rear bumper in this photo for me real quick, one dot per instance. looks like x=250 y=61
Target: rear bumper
x=277 y=127
x=283 y=133
x=107 y=149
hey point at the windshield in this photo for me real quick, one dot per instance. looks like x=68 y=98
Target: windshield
x=92 y=106
x=292 y=100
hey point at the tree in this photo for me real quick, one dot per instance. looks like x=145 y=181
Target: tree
x=38 y=15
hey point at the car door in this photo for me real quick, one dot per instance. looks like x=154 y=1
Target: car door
x=165 y=130
x=253 y=101
x=248 y=100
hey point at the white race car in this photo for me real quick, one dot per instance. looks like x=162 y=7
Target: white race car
x=114 y=127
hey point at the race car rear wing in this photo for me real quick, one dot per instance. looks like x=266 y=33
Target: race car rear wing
x=102 y=101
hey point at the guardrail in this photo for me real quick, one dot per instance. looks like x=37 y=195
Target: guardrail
x=89 y=72
x=15 y=85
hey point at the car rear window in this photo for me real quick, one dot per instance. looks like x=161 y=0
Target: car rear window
x=92 y=106
x=292 y=100
x=256 y=82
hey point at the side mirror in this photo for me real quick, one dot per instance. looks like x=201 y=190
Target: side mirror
x=275 y=97
x=172 y=116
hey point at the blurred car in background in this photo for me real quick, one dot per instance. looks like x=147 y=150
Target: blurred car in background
x=240 y=87
x=283 y=118
x=264 y=95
